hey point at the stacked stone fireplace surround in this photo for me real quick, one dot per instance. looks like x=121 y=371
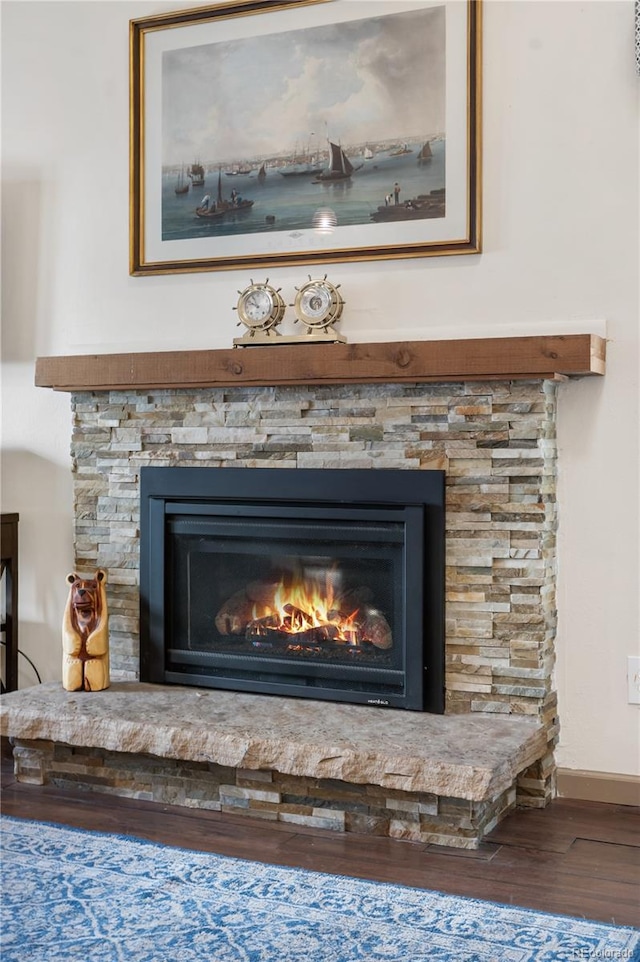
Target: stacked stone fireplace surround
x=495 y=440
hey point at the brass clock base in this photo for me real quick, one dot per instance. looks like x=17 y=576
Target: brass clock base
x=326 y=336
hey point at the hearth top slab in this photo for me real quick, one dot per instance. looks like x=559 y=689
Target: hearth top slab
x=473 y=757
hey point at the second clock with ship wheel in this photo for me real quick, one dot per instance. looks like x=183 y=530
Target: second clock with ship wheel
x=318 y=305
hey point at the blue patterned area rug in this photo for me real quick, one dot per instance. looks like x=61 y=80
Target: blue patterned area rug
x=70 y=894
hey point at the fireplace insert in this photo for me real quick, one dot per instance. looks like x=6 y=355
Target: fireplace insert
x=325 y=584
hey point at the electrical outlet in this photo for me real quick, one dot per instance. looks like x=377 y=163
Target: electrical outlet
x=633 y=678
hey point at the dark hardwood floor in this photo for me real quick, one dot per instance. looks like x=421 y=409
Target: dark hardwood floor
x=573 y=858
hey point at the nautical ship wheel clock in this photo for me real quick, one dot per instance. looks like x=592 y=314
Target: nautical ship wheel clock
x=260 y=308
x=318 y=305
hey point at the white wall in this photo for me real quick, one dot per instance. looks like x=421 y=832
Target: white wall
x=560 y=254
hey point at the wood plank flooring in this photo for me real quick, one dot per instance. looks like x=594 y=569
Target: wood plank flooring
x=574 y=858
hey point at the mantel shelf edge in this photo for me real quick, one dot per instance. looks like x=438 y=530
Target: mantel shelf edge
x=475 y=359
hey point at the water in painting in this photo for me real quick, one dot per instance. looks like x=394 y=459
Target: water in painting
x=283 y=199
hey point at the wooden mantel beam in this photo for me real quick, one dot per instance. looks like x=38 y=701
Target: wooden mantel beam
x=503 y=358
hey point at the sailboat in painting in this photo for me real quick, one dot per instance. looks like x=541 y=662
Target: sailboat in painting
x=182 y=184
x=222 y=206
x=340 y=167
x=425 y=153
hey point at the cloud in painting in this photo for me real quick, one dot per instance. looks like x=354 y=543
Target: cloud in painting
x=372 y=79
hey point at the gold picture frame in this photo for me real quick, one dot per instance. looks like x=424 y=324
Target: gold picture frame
x=282 y=132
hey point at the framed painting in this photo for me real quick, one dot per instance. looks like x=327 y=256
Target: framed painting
x=279 y=132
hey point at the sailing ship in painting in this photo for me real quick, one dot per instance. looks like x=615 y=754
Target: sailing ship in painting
x=426 y=154
x=301 y=167
x=302 y=163
x=218 y=209
x=197 y=174
x=400 y=150
x=182 y=184
x=340 y=167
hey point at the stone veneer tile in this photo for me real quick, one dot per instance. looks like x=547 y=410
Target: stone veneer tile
x=495 y=439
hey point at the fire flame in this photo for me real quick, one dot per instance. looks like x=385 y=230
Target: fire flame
x=302 y=604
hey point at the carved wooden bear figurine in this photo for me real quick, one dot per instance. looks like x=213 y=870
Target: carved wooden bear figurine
x=85 y=634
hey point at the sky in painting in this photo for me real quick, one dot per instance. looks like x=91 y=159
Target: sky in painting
x=373 y=79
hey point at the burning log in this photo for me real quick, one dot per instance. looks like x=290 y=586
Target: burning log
x=376 y=629
x=272 y=626
x=355 y=598
x=259 y=627
x=291 y=620
x=351 y=621
x=262 y=592
x=239 y=609
x=236 y=612
x=316 y=636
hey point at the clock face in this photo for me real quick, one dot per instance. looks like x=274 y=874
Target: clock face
x=260 y=308
x=255 y=306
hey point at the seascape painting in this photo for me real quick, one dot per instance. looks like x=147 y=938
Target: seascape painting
x=350 y=122
x=304 y=131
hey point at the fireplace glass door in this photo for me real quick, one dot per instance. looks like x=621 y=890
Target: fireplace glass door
x=302 y=597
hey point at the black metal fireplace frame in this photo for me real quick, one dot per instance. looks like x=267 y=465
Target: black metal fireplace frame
x=164 y=491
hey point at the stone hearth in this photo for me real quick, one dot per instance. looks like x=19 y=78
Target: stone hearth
x=438 y=779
